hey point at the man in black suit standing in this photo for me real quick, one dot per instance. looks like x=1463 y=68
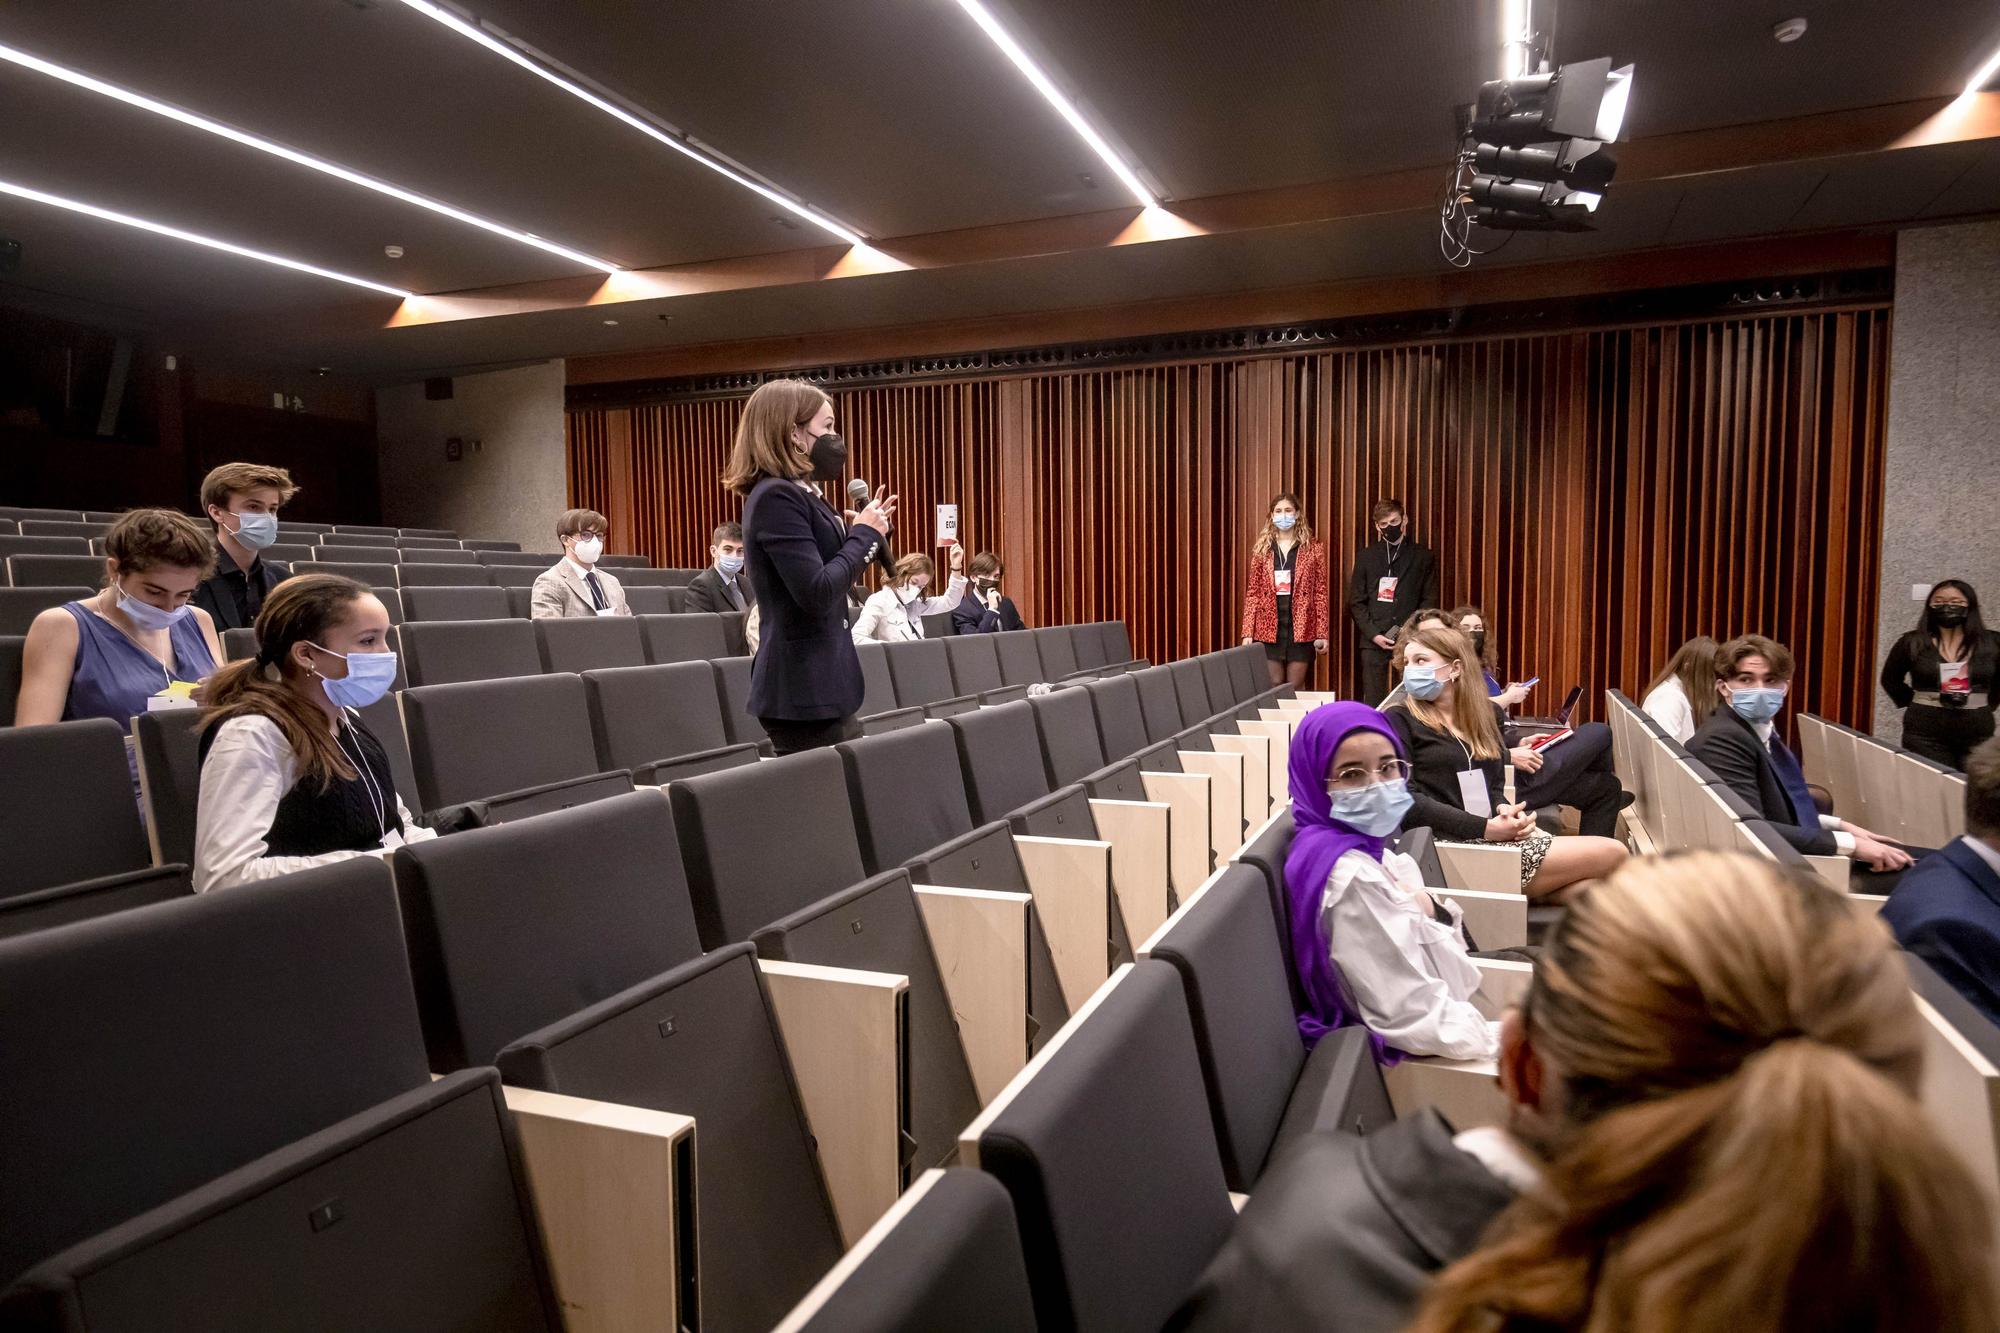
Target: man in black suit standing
x=984 y=610
x=1394 y=578
x=1740 y=744
x=723 y=586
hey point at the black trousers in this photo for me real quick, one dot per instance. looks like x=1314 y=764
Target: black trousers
x=792 y=737
x=1945 y=735
x=1374 y=683
x=1578 y=772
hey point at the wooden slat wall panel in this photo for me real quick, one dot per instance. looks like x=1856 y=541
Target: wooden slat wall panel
x=1602 y=494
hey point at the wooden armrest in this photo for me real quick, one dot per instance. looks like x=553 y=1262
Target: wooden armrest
x=1466 y=1092
x=1835 y=870
x=1256 y=752
x=1868 y=904
x=980 y=938
x=1139 y=833
x=1225 y=790
x=1495 y=920
x=1070 y=879
x=1186 y=795
x=1280 y=736
x=1960 y=1093
x=844 y=1034
x=1502 y=983
x=1490 y=866
x=614 y=1191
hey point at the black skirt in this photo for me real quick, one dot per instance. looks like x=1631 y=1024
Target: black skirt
x=1285 y=649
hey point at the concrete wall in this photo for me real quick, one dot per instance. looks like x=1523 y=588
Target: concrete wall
x=510 y=483
x=1942 y=474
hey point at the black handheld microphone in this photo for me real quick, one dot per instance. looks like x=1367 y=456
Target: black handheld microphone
x=858 y=495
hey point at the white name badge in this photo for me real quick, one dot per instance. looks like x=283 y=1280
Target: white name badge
x=1472 y=793
x=1955 y=677
x=1385 y=588
x=1283 y=579
x=162 y=703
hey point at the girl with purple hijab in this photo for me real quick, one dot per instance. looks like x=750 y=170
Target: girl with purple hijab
x=1371 y=944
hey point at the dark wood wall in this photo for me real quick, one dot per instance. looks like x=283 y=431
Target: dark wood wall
x=1601 y=493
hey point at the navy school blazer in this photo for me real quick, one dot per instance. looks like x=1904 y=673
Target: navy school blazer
x=802 y=559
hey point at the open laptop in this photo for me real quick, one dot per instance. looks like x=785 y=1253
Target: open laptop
x=1562 y=717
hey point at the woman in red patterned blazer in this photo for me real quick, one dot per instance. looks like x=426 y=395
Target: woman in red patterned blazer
x=1284 y=603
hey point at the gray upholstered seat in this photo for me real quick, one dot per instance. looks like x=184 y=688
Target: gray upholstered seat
x=456 y=603
x=487 y=739
x=69 y=813
x=589 y=643
x=642 y=715
x=691 y=637
x=446 y=652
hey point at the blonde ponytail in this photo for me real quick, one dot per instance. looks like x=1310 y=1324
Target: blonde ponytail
x=1739 y=1145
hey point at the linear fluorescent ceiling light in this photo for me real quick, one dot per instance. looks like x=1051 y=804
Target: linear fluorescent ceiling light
x=1985 y=74
x=234 y=135
x=508 y=52
x=991 y=27
x=195 y=238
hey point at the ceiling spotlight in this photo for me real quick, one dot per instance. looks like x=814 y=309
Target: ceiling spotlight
x=1582 y=163
x=1790 y=30
x=393 y=251
x=1585 y=100
x=610 y=322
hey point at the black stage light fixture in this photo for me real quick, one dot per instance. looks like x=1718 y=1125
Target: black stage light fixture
x=1582 y=164
x=1584 y=100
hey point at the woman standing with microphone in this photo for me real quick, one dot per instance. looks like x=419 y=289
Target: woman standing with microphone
x=1284 y=602
x=805 y=683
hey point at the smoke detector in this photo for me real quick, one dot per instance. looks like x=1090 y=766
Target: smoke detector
x=393 y=251
x=1790 y=30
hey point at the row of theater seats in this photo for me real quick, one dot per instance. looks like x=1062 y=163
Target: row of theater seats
x=1890 y=790
x=962 y=891
x=1681 y=805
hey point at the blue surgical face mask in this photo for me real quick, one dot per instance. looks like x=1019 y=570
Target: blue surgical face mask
x=730 y=565
x=1376 y=809
x=368 y=678
x=255 y=531
x=1284 y=522
x=1420 y=681
x=149 y=617
x=1756 y=705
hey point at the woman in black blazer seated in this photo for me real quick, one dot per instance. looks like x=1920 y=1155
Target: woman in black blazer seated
x=805 y=684
x=1450 y=728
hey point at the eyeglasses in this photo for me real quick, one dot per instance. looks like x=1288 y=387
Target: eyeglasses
x=1353 y=777
x=1939 y=606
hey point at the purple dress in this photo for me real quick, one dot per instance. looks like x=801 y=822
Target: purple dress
x=114 y=676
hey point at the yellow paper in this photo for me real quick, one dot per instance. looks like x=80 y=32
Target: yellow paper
x=180 y=689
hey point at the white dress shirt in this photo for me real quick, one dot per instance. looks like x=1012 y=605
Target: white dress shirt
x=892 y=617
x=249 y=769
x=1667 y=704
x=1410 y=974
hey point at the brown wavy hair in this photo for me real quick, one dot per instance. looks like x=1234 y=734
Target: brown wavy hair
x=763 y=445
x=1735 y=1142
x=1693 y=665
x=1464 y=707
x=1302 y=532
x=145 y=539
x=299 y=610
x=1458 y=616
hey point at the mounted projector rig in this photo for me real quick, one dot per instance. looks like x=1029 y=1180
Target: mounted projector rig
x=1531 y=153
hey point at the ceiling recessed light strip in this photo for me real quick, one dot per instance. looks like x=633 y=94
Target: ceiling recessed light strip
x=189 y=118
x=194 y=238
x=1012 y=49
x=1985 y=74
x=506 y=51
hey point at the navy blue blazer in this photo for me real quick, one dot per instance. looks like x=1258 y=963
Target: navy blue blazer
x=969 y=617
x=802 y=559
x=1946 y=911
x=1730 y=748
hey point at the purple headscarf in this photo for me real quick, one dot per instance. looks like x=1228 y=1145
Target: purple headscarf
x=1318 y=841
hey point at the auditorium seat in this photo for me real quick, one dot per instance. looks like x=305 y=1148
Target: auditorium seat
x=293 y=525
x=337 y=552
x=733 y=635
x=9 y=527
x=514 y=576
x=589 y=643
x=168 y=745
x=455 y=603
x=645 y=600
x=1159 y=704
x=1106 y=1149
x=1117 y=643
x=1088 y=645
x=285 y=553
x=43 y=570
x=975 y=669
x=451 y=555
x=107 y=517
x=1221 y=685
x=68 y=903
x=15 y=514
x=516 y=746
x=10 y=675
x=947 y=1256
x=879 y=712
x=350 y=537
x=1263 y=1088
x=1057 y=650
x=238 y=644
x=732 y=683
x=366 y=529
x=491 y=546
x=1121 y=726
x=1020 y=661
x=515 y=556
x=599 y=886
x=373 y=573
x=520 y=601
x=921 y=672
x=696 y=637
x=409 y=543
x=384 y=718
x=69 y=813
x=627 y=561
x=441 y=652
x=643 y=715
x=659 y=578
x=449 y=576
x=20 y=606
x=938 y=626
x=51 y=527
x=1000 y=756
x=448 y=533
